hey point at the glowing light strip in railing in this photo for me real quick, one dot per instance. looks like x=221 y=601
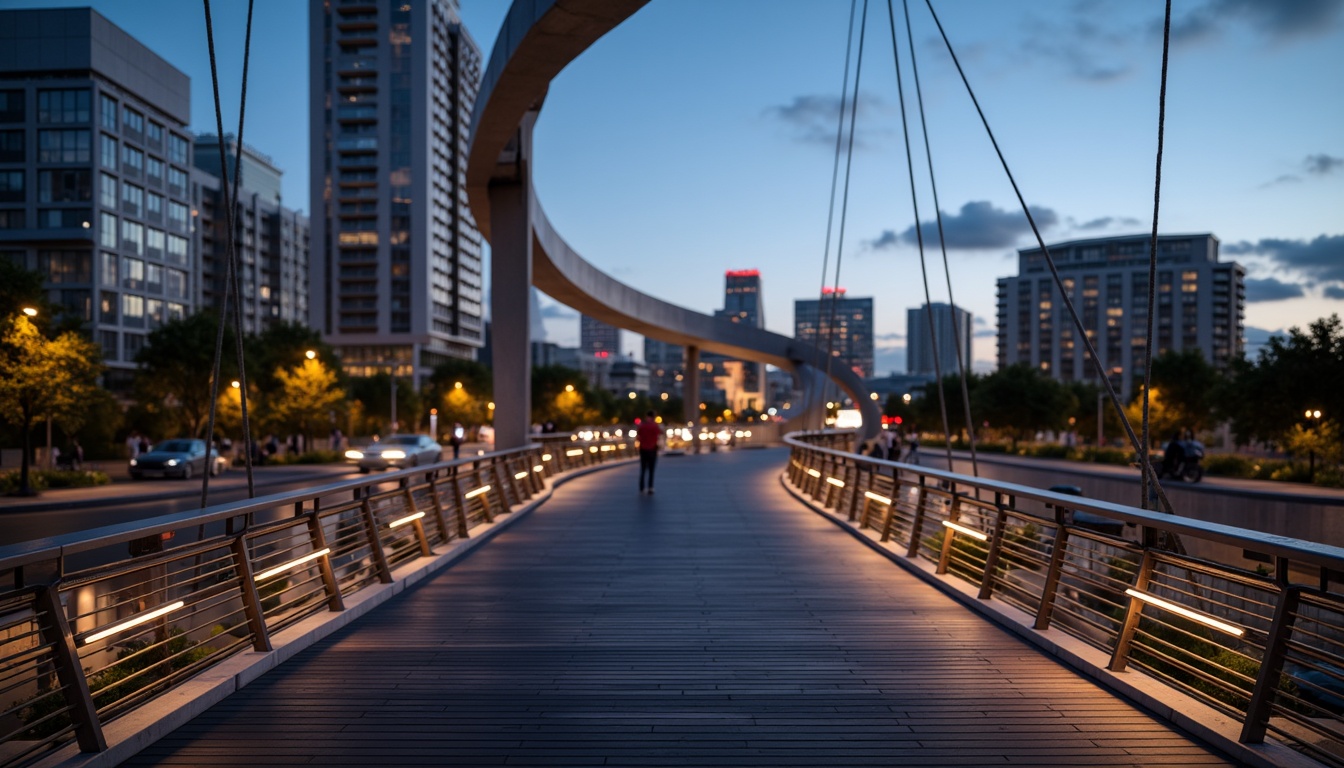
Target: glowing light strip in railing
x=974 y=534
x=1187 y=613
x=606 y=448
x=134 y=622
x=876 y=497
x=575 y=452
x=546 y=457
x=519 y=475
x=477 y=492
x=592 y=449
x=835 y=482
x=292 y=564
x=814 y=473
x=406 y=519
x=538 y=468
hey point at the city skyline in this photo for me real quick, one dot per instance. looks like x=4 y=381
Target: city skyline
x=730 y=150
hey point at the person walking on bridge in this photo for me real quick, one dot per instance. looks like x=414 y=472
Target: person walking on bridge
x=647 y=435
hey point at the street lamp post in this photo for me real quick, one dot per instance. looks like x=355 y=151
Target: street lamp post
x=1314 y=416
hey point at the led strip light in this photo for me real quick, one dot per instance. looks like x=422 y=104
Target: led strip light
x=974 y=534
x=134 y=621
x=292 y=563
x=1187 y=613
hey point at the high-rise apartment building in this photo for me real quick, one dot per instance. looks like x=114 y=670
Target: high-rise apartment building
x=95 y=162
x=1200 y=305
x=396 y=256
x=951 y=329
x=598 y=339
x=742 y=297
x=849 y=337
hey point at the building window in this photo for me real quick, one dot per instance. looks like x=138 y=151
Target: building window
x=64 y=218
x=132 y=273
x=64 y=146
x=12 y=219
x=108 y=340
x=154 y=169
x=134 y=341
x=177 y=215
x=11 y=106
x=154 y=278
x=66 y=266
x=63 y=106
x=154 y=242
x=11 y=187
x=154 y=311
x=78 y=302
x=132 y=237
x=107 y=151
x=177 y=181
x=107 y=230
x=176 y=311
x=154 y=135
x=177 y=149
x=154 y=206
x=177 y=250
x=107 y=271
x=107 y=109
x=132 y=120
x=107 y=190
x=132 y=159
x=177 y=284
x=11 y=146
x=132 y=198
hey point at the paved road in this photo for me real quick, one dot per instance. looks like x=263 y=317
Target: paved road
x=715 y=623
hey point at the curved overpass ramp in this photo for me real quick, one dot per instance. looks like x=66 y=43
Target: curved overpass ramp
x=538 y=39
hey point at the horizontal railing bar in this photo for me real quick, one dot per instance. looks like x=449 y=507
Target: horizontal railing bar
x=1309 y=552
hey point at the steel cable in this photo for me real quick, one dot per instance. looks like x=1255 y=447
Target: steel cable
x=1050 y=262
x=919 y=239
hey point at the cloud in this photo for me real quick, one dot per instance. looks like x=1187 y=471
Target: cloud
x=978 y=226
x=986 y=333
x=1107 y=222
x=558 y=312
x=1086 y=43
x=1334 y=292
x=1271 y=289
x=813 y=119
x=889 y=340
x=1321 y=259
x=980 y=320
x=1320 y=165
x=1287 y=178
x=1280 y=21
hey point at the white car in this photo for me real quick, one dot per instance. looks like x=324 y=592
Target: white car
x=397 y=451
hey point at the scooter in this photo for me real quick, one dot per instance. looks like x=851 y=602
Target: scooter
x=1189 y=467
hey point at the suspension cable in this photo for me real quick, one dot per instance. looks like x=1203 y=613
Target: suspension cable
x=230 y=269
x=919 y=238
x=1054 y=270
x=1152 y=254
x=830 y=210
x=942 y=241
x=844 y=204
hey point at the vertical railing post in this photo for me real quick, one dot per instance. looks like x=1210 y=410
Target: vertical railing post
x=1053 y=571
x=70 y=673
x=375 y=543
x=256 y=615
x=460 y=501
x=890 y=517
x=953 y=515
x=995 y=548
x=1271 y=667
x=333 y=588
x=1134 y=612
x=852 y=470
x=418 y=524
x=439 y=519
x=915 y=527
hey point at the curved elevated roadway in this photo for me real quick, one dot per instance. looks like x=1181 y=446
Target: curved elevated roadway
x=538 y=39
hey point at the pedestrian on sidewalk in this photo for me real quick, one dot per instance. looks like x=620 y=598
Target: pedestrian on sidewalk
x=647 y=435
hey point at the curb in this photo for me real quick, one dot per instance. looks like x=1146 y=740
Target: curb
x=1188 y=715
x=128 y=735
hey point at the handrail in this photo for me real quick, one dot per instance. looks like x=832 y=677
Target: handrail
x=85 y=640
x=1256 y=645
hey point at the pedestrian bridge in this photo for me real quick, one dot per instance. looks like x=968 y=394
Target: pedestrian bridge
x=769 y=607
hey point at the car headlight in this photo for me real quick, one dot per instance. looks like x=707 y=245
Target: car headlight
x=394 y=454
x=354 y=454
x=134 y=462
x=171 y=462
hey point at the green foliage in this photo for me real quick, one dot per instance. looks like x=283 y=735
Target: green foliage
x=11 y=482
x=61 y=478
x=173 y=383
x=561 y=395
x=1020 y=401
x=306 y=397
x=369 y=409
x=1264 y=399
x=1187 y=384
x=281 y=347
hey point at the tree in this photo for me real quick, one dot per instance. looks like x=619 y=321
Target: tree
x=1020 y=401
x=1264 y=400
x=460 y=390
x=44 y=379
x=370 y=409
x=175 y=368
x=1187 y=383
x=306 y=397
x=281 y=346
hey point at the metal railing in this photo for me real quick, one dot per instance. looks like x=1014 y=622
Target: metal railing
x=88 y=634
x=1255 y=645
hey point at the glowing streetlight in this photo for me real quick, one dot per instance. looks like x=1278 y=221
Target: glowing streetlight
x=906 y=398
x=457 y=385
x=30 y=311
x=310 y=354
x=632 y=395
x=235 y=384
x=872 y=396
x=491 y=406
x=664 y=395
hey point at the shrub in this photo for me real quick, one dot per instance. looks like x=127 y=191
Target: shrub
x=1229 y=465
x=1048 y=451
x=67 y=478
x=307 y=457
x=9 y=482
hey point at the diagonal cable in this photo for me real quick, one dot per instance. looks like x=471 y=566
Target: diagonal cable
x=830 y=210
x=942 y=241
x=844 y=204
x=919 y=239
x=1054 y=270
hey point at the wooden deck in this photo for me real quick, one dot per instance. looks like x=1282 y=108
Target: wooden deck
x=716 y=623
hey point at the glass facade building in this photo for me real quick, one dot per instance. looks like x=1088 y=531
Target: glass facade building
x=850 y=336
x=396 y=270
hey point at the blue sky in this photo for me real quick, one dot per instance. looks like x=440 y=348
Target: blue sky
x=699 y=137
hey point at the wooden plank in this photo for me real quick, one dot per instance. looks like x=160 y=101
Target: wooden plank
x=714 y=623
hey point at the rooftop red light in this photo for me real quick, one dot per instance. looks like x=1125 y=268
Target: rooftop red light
x=743 y=273
x=829 y=290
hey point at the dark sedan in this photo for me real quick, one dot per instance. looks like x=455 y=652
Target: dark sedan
x=175 y=458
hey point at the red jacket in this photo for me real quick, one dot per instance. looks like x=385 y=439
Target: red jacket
x=647 y=435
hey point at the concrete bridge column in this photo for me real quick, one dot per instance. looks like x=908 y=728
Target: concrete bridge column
x=510 y=299
x=690 y=392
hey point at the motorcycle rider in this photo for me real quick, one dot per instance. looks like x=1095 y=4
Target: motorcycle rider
x=1173 y=456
